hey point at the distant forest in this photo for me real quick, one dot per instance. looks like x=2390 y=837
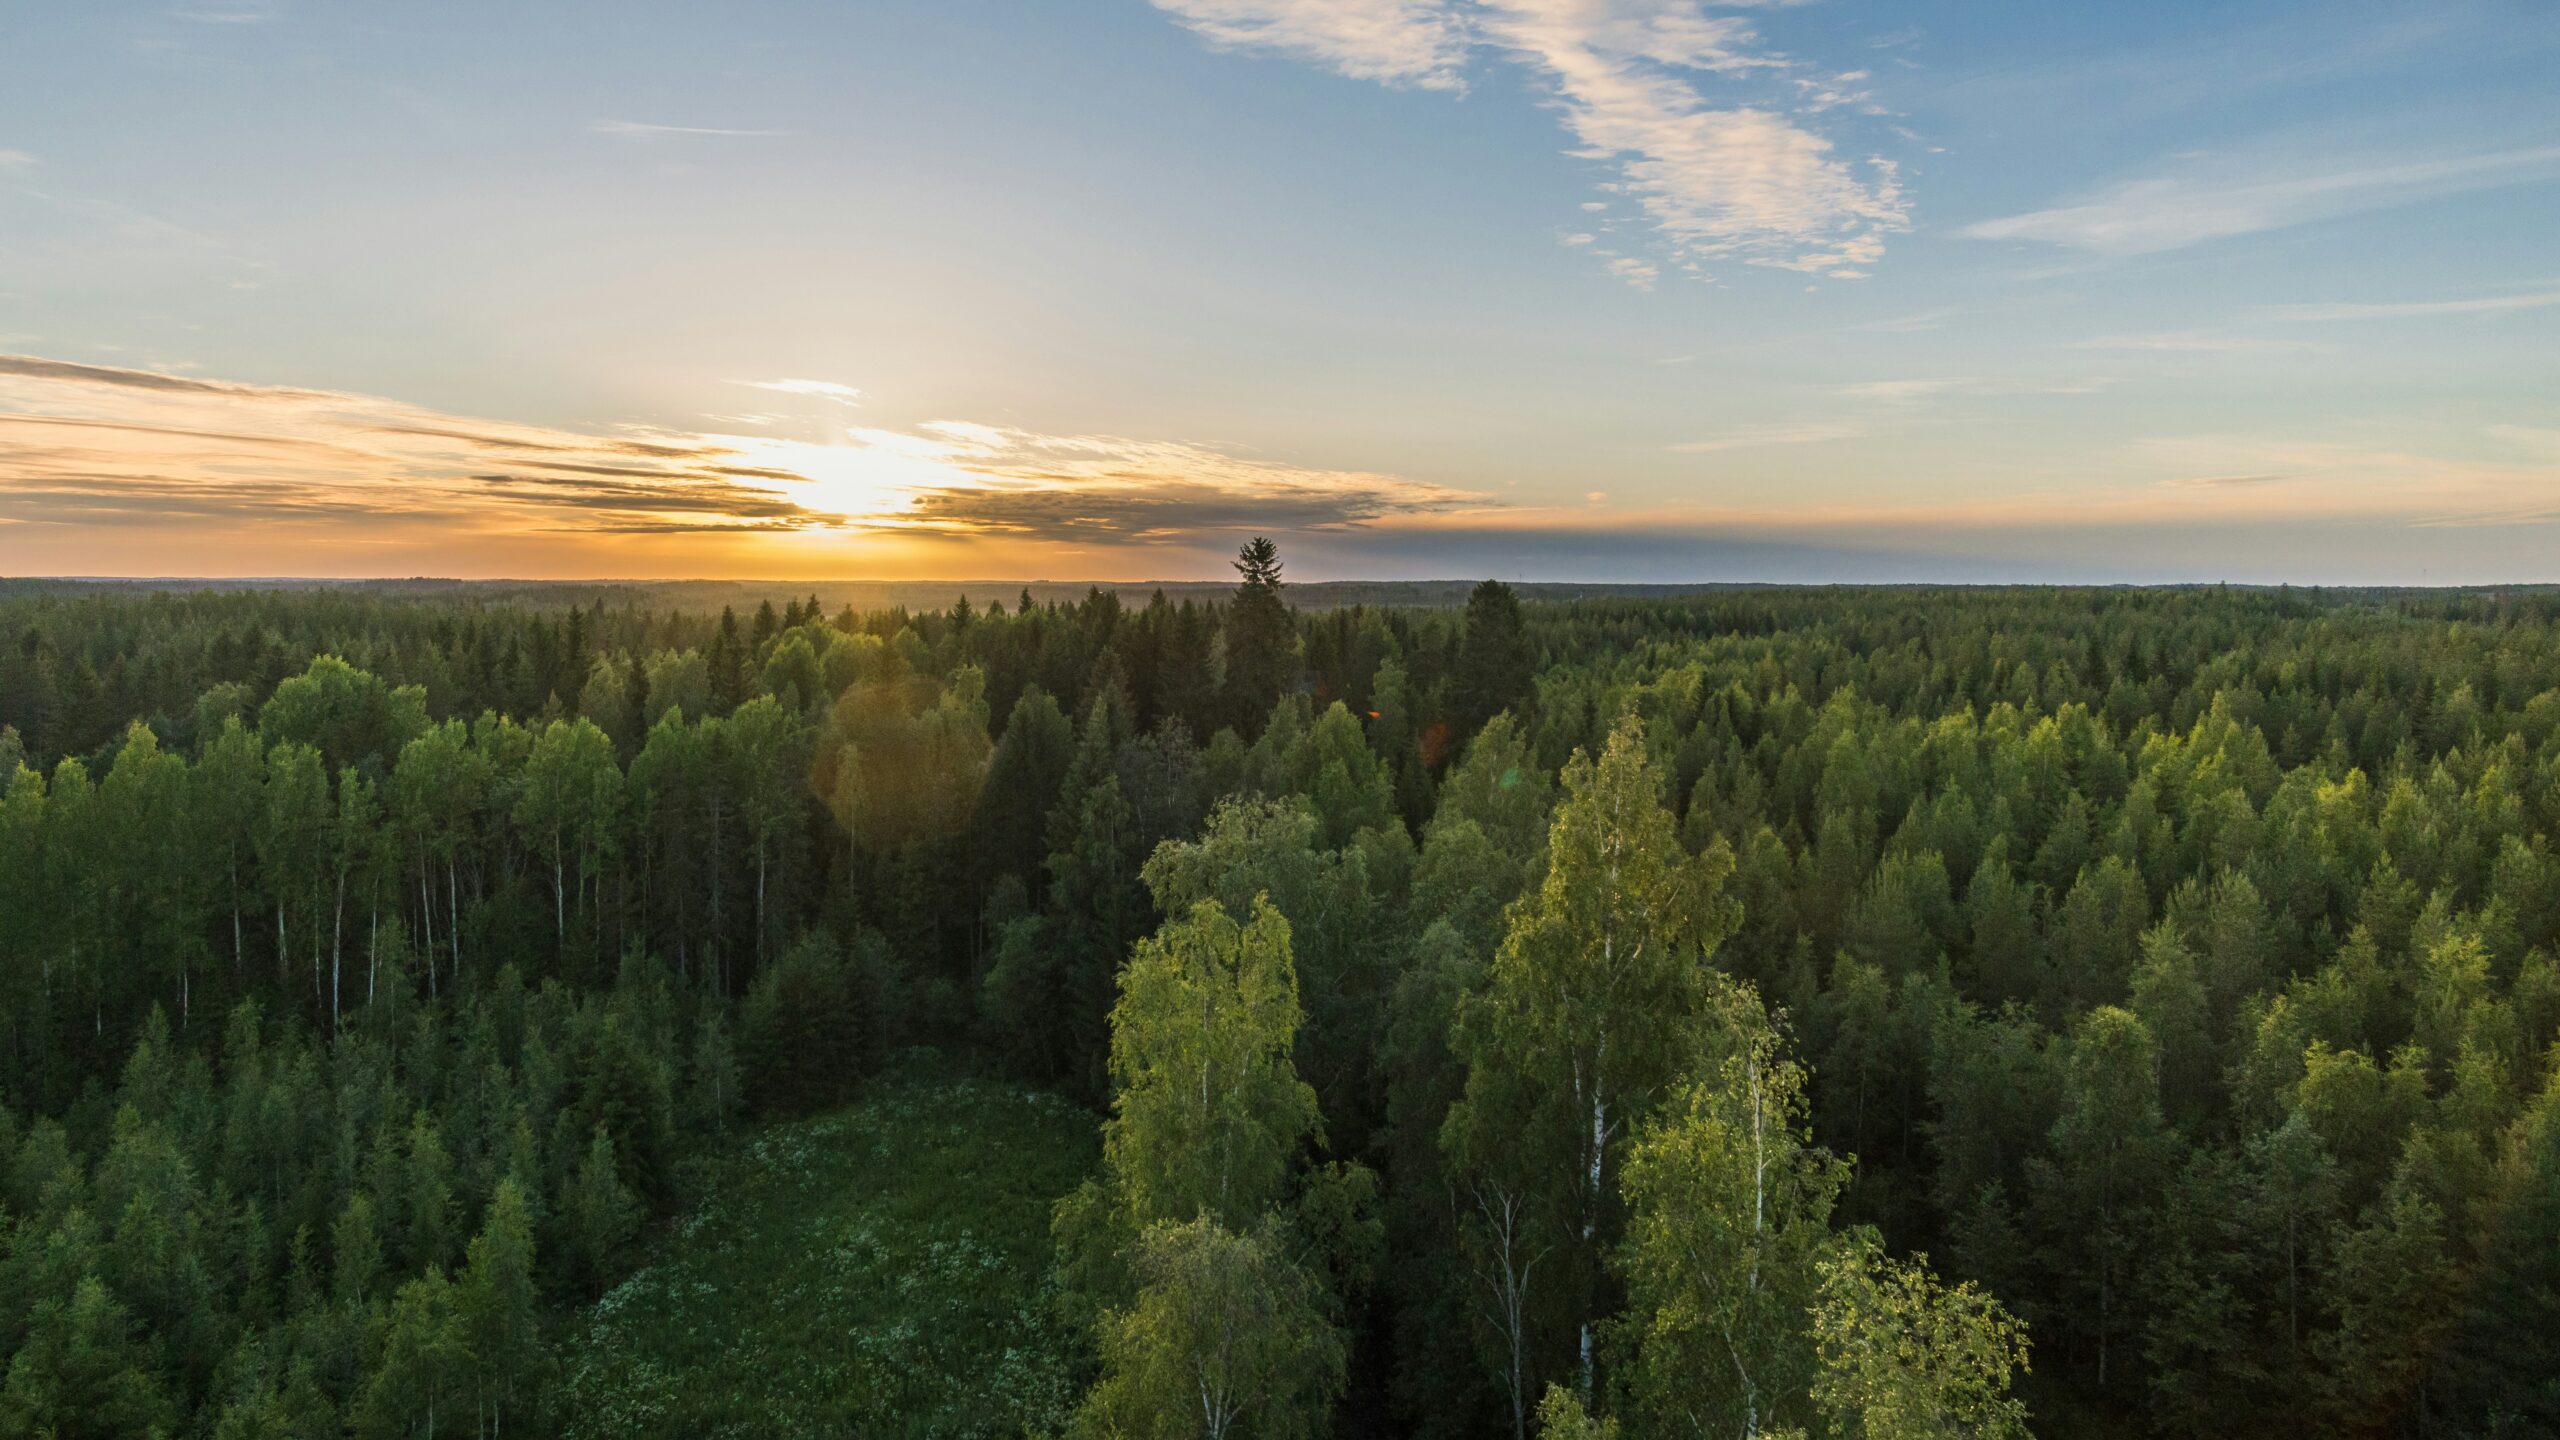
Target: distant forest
x=1567 y=1011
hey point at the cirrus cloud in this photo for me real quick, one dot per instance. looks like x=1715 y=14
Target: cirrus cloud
x=1415 y=42
x=2220 y=197
x=1712 y=179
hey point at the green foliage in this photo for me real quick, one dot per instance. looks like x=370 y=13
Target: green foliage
x=1495 y=666
x=1905 y=1357
x=1260 y=634
x=2178 y=965
x=881 y=1270
x=1729 y=1206
x=804 y=1036
x=1562 y=1416
x=1226 y=1337
x=1587 y=1015
x=80 y=1370
x=600 y=1214
x=2109 y=1155
x=1209 y=1108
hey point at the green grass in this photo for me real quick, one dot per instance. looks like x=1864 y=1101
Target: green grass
x=885 y=1270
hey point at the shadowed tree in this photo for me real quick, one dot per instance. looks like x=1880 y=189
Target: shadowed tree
x=1261 y=636
x=1495 y=666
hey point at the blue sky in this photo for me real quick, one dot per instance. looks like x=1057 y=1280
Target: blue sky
x=1546 y=288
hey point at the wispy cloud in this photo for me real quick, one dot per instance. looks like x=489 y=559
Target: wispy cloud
x=2538 y=441
x=1913 y=391
x=2216 y=198
x=641 y=130
x=2412 y=309
x=2301 y=480
x=1713 y=178
x=1409 y=42
x=1715 y=181
x=818 y=389
x=1911 y=324
x=1635 y=271
x=97 y=445
x=36 y=367
x=2196 y=342
x=16 y=162
x=1002 y=480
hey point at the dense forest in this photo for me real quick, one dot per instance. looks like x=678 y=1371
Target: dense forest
x=1848 y=1012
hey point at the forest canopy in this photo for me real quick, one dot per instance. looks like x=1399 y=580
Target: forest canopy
x=1847 y=1012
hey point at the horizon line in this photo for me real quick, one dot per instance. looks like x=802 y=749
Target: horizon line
x=1702 y=584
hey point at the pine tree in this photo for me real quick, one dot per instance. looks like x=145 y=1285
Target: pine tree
x=602 y=1215
x=499 y=1312
x=1495 y=666
x=1261 y=637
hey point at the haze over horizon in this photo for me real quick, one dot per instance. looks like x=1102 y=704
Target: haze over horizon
x=1579 y=290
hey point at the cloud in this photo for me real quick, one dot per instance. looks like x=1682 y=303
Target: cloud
x=2216 y=199
x=1744 y=181
x=1639 y=273
x=1906 y=393
x=1911 y=324
x=1715 y=180
x=94 y=445
x=2412 y=309
x=1400 y=42
x=985 y=479
x=818 y=389
x=2196 y=342
x=2278 y=478
x=147 y=468
x=2544 y=444
x=639 y=130
x=36 y=367
x=16 y=162
x=80 y=441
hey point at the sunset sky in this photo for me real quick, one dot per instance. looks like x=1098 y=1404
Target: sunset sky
x=1547 y=289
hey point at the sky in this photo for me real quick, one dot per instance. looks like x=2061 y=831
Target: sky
x=1659 y=290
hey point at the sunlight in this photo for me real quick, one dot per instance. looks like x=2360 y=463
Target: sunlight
x=869 y=477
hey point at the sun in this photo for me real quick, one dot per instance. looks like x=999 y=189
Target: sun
x=869 y=476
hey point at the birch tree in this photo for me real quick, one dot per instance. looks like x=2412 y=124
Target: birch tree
x=1588 y=1013
x=1904 y=1356
x=1227 y=1338
x=1210 y=1107
x=1729 y=1208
